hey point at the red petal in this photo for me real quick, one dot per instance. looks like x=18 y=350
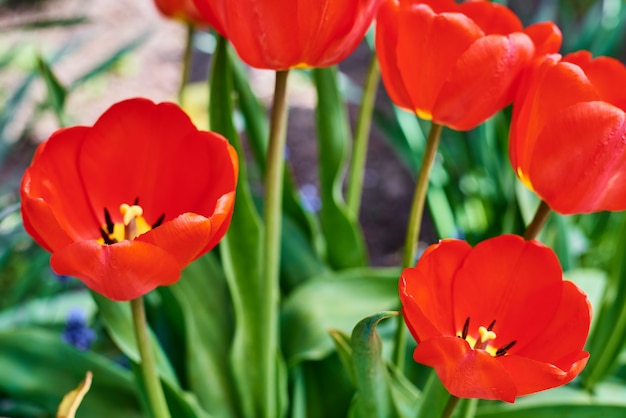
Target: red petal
x=121 y=271
x=466 y=373
x=578 y=163
x=188 y=236
x=517 y=283
x=386 y=50
x=426 y=290
x=481 y=82
x=429 y=46
x=492 y=18
x=607 y=75
x=532 y=376
x=546 y=36
x=54 y=197
x=549 y=87
x=565 y=336
x=154 y=153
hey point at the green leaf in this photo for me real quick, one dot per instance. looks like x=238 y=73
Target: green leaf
x=344 y=239
x=57 y=93
x=334 y=300
x=373 y=393
x=208 y=321
x=38 y=368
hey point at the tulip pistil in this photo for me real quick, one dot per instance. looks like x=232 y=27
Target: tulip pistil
x=133 y=224
x=485 y=338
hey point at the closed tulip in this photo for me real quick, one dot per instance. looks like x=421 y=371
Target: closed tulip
x=456 y=64
x=284 y=34
x=568 y=133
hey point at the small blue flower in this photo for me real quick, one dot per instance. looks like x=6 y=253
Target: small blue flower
x=77 y=333
x=310 y=198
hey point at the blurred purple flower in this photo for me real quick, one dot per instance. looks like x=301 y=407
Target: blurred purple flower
x=77 y=333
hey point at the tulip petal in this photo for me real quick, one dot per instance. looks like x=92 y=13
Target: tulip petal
x=386 y=50
x=492 y=18
x=567 y=332
x=549 y=87
x=54 y=196
x=187 y=236
x=121 y=271
x=426 y=290
x=532 y=376
x=426 y=56
x=515 y=282
x=466 y=373
x=607 y=75
x=546 y=37
x=183 y=171
x=590 y=175
x=481 y=82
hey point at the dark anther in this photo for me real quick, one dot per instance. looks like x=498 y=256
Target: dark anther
x=136 y=202
x=502 y=350
x=109 y=222
x=158 y=221
x=490 y=327
x=107 y=239
x=465 y=328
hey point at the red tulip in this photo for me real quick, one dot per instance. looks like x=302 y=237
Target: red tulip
x=184 y=10
x=568 y=133
x=126 y=204
x=283 y=34
x=495 y=321
x=456 y=64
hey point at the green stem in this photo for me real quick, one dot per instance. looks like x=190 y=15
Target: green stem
x=413 y=229
x=152 y=383
x=272 y=216
x=184 y=79
x=539 y=220
x=453 y=401
x=361 y=136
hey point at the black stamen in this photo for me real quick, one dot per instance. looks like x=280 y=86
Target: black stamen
x=490 y=327
x=502 y=350
x=136 y=202
x=108 y=221
x=465 y=328
x=158 y=221
x=107 y=239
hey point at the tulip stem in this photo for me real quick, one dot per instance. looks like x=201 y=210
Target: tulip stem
x=453 y=401
x=361 y=136
x=539 y=220
x=272 y=216
x=413 y=228
x=152 y=383
x=184 y=78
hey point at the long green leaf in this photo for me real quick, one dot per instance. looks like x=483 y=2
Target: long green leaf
x=344 y=239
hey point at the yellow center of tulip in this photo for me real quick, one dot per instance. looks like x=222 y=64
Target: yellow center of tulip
x=524 y=179
x=485 y=339
x=423 y=114
x=133 y=224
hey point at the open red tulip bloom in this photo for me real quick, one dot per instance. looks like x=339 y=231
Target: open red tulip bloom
x=284 y=34
x=568 y=133
x=495 y=321
x=456 y=64
x=126 y=204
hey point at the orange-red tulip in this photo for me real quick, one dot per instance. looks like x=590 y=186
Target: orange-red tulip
x=496 y=321
x=568 y=133
x=283 y=34
x=126 y=204
x=456 y=64
x=183 y=10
